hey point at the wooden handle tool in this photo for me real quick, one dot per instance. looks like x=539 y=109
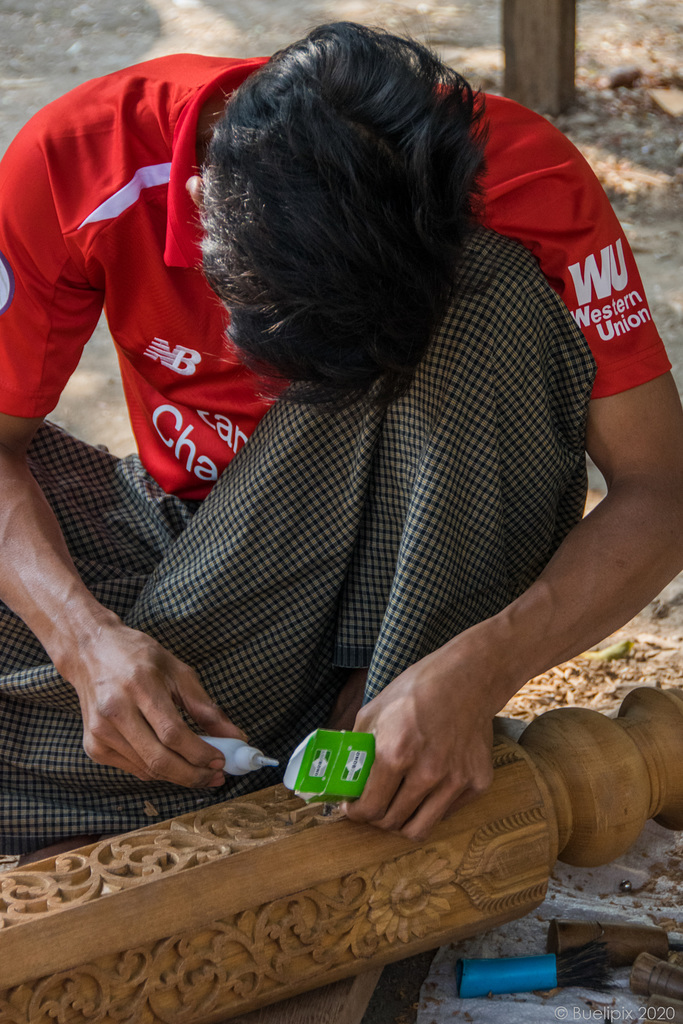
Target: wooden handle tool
x=624 y=942
x=653 y=977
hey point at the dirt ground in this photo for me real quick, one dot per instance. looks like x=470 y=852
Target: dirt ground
x=635 y=146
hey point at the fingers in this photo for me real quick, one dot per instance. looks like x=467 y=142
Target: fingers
x=373 y=804
x=171 y=750
x=131 y=718
x=164 y=749
x=433 y=740
x=414 y=803
x=437 y=806
x=191 y=695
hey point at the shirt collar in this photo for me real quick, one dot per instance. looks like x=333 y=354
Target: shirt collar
x=183 y=229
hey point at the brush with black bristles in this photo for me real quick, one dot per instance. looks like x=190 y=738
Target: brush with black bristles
x=586 y=966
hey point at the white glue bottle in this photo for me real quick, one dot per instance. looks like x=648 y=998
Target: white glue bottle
x=240 y=758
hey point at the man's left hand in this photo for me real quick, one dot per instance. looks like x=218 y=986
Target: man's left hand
x=433 y=723
x=433 y=739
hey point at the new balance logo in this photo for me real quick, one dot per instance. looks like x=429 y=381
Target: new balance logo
x=612 y=275
x=180 y=359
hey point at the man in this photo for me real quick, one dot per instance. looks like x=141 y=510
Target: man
x=341 y=189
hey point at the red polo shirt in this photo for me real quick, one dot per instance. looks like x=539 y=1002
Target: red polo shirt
x=94 y=210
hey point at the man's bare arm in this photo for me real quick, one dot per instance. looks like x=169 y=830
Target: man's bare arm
x=432 y=724
x=129 y=687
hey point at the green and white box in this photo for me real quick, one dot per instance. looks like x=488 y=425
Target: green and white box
x=331 y=765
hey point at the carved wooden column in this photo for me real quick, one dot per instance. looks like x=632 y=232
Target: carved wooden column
x=210 y=915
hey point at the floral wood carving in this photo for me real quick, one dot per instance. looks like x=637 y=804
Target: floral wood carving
x=254 y=956
x=224 y=967
x=142 y=856
x=176 y=845
x=380 y=899
x=411 y=895
x=215 y=914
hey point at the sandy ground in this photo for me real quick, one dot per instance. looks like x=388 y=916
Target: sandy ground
x=635 y=146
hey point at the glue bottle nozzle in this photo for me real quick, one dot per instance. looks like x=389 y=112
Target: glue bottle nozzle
x=240 y=758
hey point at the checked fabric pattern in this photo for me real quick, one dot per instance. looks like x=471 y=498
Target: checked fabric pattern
x=335 y=540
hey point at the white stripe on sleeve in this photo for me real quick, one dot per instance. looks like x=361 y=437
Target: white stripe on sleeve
x=144 y=177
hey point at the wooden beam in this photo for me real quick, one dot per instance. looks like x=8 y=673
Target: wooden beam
x=539 y=39
x=343 y=1002
x=212 y=915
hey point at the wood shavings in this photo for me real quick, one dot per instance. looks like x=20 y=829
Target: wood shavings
x=600 y=685
x=669 y=100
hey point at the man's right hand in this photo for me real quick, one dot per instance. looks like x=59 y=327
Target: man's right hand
x=129 y=687
x=130 y=691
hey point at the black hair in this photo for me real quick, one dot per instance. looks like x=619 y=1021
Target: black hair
x=339 y=187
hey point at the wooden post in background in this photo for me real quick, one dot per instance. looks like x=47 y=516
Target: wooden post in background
x=539 y=41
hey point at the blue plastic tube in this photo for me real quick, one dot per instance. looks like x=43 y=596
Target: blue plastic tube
x=505 y=974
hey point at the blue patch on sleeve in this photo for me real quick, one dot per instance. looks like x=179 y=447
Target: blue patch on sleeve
x=6 y=285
